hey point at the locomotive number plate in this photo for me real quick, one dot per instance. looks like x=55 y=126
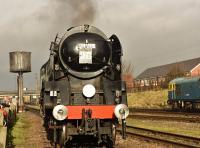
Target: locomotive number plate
x=85 y=52
x=85 y=57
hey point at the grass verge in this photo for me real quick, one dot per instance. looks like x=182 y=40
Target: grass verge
x=16 y=134
x=148 y=99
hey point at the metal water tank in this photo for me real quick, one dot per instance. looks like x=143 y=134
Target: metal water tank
x=20 y=61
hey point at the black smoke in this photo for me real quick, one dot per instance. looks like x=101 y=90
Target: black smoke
x=60 y=13
x=84 y=11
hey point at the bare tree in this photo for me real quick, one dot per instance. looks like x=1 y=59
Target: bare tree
x=127 y=74
x=127 y=67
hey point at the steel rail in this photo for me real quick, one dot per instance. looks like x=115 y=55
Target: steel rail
x=166 y=118
x=165 y=110
x=158 y=136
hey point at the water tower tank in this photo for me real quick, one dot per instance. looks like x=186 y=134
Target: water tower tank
x=20 y=61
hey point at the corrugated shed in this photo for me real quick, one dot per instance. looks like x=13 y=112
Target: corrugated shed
x=163 y=70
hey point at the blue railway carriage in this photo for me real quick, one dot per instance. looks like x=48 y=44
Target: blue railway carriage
x=184 y=93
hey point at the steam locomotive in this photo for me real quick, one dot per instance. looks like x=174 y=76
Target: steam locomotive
x=82 y=94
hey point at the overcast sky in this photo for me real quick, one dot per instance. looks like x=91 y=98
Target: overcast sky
x=151 y=32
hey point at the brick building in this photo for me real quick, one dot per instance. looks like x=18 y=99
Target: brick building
x=157 y=76
x=128 y=78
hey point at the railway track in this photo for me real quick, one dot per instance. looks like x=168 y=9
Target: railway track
x=158 y=136
x=194 y=119
x=164 y=137
x=165 y=115
x=165 y=110
x=35 y=110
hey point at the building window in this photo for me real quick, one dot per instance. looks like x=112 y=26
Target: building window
x=146 y=82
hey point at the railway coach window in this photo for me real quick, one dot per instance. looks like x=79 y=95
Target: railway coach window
x=178 y=90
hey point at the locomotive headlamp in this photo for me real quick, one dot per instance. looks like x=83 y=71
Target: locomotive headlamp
x=60 y=112
x=121 y=111
x=89 y=90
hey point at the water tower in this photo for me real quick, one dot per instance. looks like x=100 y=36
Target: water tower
x=20 y=62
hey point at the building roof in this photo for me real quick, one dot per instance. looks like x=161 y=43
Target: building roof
x=163 y=70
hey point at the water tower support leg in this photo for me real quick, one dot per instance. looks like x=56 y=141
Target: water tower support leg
x=20 y=93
